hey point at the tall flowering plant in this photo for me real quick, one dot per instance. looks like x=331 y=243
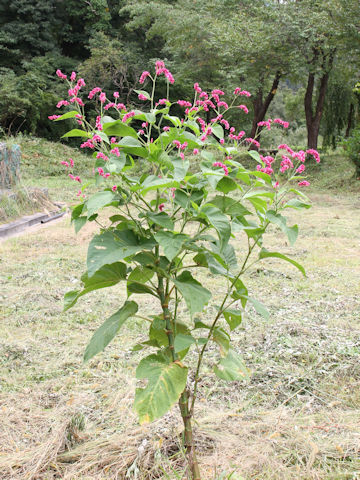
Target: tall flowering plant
x=181 y=215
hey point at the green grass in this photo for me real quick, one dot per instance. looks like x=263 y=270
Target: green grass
x=297 y=419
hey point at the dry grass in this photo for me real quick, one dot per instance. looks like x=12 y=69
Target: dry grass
x=298 y=418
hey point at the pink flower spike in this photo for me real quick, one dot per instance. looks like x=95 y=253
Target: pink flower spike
x=244 y=108
x=223 y=166
x=141 y=132
x=116 y=94
x=114 y=188
x=217 y=92
x=60 y=74
x=73 y=77
x=65 y=163
x=79 y=193
x=115 y=151
x=314 y=153
x=71 y=162
x=142 y=97
x=113 y=140
x=304 y=183
x=127 y=116
x=166 y=129
x=223 y=104
x=276 y=185
x=78 y=179
x=197 y=88
x=161 y=207
x=143 y=76
x=195 y=151
x=81 y=83
x=222 y=141
x=102 y=97
x=54 y=117
x=61 y=103
x=301 y=168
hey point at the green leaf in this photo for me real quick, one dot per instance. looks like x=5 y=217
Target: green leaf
x=99 y=200
x=232 y=368
x=132 y=145
x=219 y=221
x=166 y=382
x=222 y=339
x=230 y=206
x=182 y=342
x=218 y=131
x=280 y=221
x=107 y=276
x=195 y=295
x=259 y=307
x=256 y=156
x=153 y=182
x=226 y=185
x=161 y=219
x=171 y=243
x=232 y=317
x=77 y=133
x=117 y=128
x=79 y=222
x=137 y=280
x=265 y=254
x=67 y=115
x=296 y=204
x=103 y=335
x=143 y=92
x=111 y=246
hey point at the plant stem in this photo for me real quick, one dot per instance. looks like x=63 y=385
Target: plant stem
x=188 y=439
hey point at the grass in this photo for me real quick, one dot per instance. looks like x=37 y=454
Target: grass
x=298 y=418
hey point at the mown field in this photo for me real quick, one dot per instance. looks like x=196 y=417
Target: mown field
x=298 y=417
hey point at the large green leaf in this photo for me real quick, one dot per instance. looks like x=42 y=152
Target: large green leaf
x=117 y=128
x=171 y=243
x=166 y=382
x=232 y=368
x=132 y=145
x=107 y=276
x=195 y=295
x=111 y=246
x=103 y=335
x=219 y=221
x=137 y=280
x=232 y=317
x=280 y=221
x=230 y=206
x=67 y=115
x=99 y=200
x=182 y=342
x=265 y=254
x=161 y=219
x=153 y=182
x=77 y=133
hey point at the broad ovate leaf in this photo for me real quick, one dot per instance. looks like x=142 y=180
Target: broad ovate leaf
x=103 y=335
x=166 y=382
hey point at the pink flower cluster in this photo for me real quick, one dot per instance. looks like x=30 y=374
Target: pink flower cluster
x=141 y=96
x=161 y=70
x=143 y=76
x=238 y=91
x=181 y=146
x=127 y=116
x=236 y=137
x=184 y=103
x=253 y=142
x=223 y=166
x=102 y=173
x=268 y=160
x=285 y=164
x=77 y=178
x=281 y=122
x=102 y=156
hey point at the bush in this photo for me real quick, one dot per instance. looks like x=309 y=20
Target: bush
x=352 y=149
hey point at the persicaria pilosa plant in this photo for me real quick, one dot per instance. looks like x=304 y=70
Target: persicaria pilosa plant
x=183 y=212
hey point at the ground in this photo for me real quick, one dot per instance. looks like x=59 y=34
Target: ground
x=298 y=417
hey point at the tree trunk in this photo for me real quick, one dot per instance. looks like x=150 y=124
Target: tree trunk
x=313 y=118
x=261 y=107
x=350 y=120
x=188 y=440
